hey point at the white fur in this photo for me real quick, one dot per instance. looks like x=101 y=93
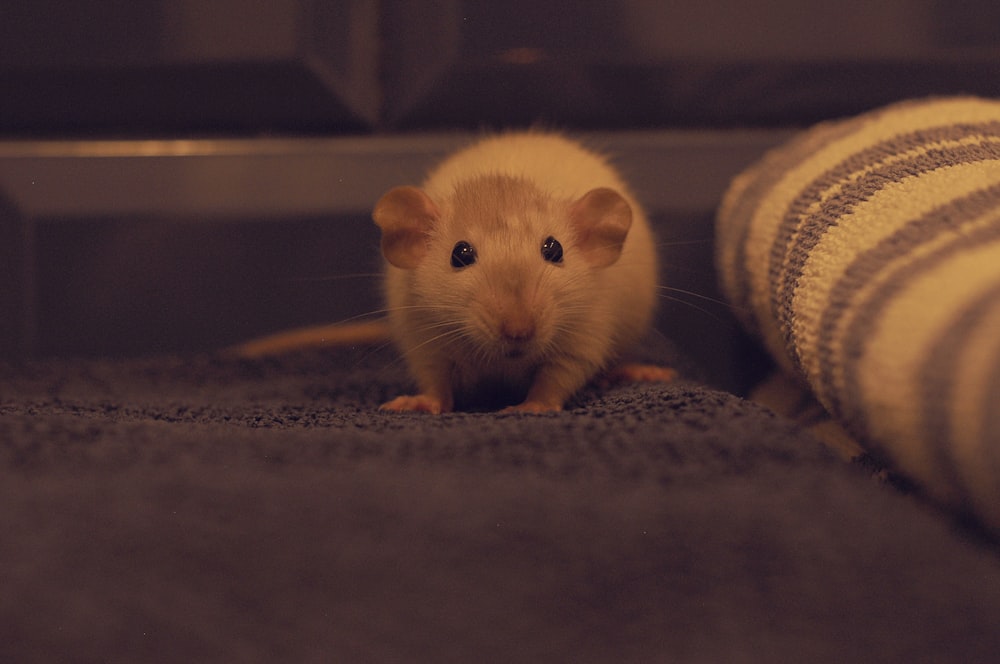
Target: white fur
x=584 y=316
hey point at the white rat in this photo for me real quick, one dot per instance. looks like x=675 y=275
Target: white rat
x=523 y=266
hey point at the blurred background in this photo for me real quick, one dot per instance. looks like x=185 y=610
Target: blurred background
x=178 y=175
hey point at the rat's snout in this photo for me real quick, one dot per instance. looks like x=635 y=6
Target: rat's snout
x=517 y=326
x=517 y=314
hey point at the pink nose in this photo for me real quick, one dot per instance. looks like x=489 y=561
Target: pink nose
x=517 y=328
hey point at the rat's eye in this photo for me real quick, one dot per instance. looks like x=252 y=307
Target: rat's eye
x=463 y=255
x=552 y=251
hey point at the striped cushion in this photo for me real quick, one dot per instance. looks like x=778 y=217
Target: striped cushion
x=866 y=255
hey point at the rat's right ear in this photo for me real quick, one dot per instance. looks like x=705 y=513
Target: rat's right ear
x=406 y=216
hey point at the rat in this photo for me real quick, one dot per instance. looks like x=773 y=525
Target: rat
x=521 y=269
x=523 y=265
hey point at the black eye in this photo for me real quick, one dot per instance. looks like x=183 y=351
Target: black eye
x=463 y=255
x=552 y=250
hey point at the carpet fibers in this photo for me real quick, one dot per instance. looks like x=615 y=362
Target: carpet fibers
x=210 y=509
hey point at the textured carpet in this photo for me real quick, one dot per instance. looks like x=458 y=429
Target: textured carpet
x=206 y=509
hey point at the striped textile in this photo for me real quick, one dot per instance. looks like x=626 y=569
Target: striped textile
x=865 y=254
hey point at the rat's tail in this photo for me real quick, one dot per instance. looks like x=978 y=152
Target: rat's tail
x=316 y=336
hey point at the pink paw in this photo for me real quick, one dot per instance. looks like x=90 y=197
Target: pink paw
x=423 y=403
x=639 y=373
x=532 y=407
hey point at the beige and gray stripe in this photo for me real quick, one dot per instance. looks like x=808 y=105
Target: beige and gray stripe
x=866 y=255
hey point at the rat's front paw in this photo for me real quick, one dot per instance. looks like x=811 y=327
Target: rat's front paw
x=533 y=407
x=637 y=373
x=423 y=403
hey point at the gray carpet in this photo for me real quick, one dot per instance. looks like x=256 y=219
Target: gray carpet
x=207 y=509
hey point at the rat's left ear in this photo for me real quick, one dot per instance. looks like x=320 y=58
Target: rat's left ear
x=601 y=219
x=406 y=216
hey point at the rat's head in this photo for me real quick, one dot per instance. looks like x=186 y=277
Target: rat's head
x=499 y=268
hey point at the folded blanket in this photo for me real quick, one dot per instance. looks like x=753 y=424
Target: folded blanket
x=866 y=255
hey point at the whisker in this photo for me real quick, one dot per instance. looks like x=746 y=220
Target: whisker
x=703 y=310
x=452 y=335
x=707 y=298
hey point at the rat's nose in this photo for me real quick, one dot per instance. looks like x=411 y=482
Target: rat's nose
x=517 y=328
